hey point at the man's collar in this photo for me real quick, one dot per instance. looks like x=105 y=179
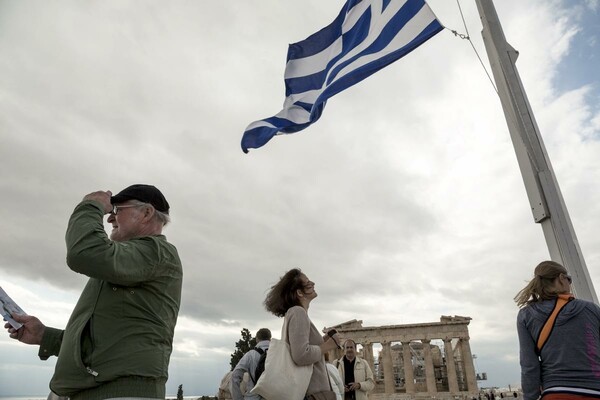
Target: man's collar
x=263 y=343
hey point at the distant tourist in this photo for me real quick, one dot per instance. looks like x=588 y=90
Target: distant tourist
x=224 y=392
x=559 y=348
x=290 y=298
x=337 y=384
x=119 y=338
x=248 y=364
x=355 y=372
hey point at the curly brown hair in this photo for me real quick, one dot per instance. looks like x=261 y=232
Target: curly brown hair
x=283 y=295
x=541 y=287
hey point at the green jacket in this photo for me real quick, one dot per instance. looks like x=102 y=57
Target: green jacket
x=119 y=338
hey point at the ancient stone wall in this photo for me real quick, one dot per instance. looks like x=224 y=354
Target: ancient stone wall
x=409 y=365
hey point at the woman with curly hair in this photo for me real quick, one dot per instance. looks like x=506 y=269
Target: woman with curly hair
x=290 y=298
x=559 y=338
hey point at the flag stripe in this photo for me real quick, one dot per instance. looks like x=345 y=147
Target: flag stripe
x=325 y=62
x=312 y=64
x=365 y=71
x=317 y=42
x=400 y=45
x=366 y=36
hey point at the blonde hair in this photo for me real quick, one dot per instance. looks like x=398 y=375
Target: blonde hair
x=541 y=287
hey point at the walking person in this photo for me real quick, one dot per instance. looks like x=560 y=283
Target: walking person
x=249 y=363
x=119 y=338
x=559 y=338
x=290 y=298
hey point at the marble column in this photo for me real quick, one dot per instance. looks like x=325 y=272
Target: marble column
x=450 y=366
x=467 y=357
x=368 y=355
x=409 y=375
x=388 y=369
x=429 y=372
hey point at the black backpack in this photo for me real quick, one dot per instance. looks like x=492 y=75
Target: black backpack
x=260 y=367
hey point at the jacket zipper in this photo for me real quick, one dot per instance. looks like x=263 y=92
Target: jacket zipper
x=87 y=368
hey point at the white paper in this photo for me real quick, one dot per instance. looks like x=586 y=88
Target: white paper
x=8 y=307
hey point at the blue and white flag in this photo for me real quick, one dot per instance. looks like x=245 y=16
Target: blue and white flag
x=366 y=36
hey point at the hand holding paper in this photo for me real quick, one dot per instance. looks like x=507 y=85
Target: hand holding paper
x=31 y=329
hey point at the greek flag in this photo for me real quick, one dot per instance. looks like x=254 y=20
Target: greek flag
x=366 y=36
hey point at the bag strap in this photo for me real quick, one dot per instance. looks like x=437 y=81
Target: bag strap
x=284 y=332
x=261 y=352
x=561 y=302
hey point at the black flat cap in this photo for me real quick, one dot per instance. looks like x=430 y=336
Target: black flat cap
x=144 y=193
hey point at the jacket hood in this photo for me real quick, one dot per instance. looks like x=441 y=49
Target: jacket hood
x=541 y=310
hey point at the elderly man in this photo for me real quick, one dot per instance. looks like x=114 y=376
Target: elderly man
x=119 y=338
x=355 y=372
x=248 y=364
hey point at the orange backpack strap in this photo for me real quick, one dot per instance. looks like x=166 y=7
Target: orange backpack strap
x=561 y=301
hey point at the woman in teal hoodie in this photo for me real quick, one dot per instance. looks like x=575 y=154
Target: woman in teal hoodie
x=559 y=338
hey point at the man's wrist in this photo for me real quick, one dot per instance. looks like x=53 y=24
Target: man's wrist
x=50 y=342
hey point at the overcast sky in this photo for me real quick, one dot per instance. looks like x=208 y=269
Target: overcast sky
x=404 y=202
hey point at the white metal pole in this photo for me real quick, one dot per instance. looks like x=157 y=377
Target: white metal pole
x=545 y=198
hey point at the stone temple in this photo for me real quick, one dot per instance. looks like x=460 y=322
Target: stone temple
x=416 y=361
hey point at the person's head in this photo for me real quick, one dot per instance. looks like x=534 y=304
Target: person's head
x=263 y=334
x=350 y=349
x=293 y=289
x=138 y=210
x=550 y=279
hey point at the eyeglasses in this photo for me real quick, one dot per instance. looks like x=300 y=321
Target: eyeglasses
x=569 y=278
x=116 y=209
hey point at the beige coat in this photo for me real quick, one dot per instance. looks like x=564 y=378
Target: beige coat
x=362 y=375
x=305 y=340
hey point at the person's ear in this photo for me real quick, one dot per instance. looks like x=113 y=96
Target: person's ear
x=148 y=213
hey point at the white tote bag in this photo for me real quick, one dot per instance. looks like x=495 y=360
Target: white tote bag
x=282 y=378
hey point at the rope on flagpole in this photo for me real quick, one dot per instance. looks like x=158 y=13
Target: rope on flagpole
x=468 y=37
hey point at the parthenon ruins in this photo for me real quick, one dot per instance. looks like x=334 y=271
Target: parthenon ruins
x=410 y=365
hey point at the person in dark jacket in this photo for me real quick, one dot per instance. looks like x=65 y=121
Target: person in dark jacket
x=568 y=365
x=119 y=338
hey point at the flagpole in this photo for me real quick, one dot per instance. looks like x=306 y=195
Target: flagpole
x=547 y=204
